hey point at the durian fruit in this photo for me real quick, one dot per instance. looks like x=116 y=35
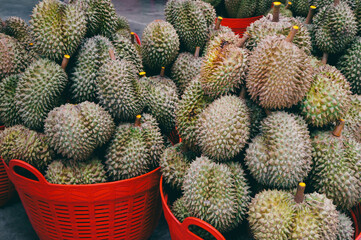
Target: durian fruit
x=350 y=65
x=281 y=155
x=9 y=112
x=160 y=45
x=335 y=27
x=123 y=27
x=280 y=73
x=119 y=91
x=246 y=8
x=328 y=98
x=186 y=67
x=353 y=119
x=336 y=167
x=216 y=193
x=135 y=148
x=93 y=54
x=223 y=36
x=39 y=91
x=75 y=131
x=357 y=12
x=192 y=20
x=161 y=100
x=18 y=29
x=223 y=70
x=224 y=128
x=300 y=7
x=285 y=10
x=323 y=3
x=256 y=114
x=344 y=227
x=14 y=57
x=174 y=164
x=57 y=28
x=18 y=142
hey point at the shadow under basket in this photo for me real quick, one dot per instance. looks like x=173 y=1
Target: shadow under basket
x=126 y=209
x=239 y=25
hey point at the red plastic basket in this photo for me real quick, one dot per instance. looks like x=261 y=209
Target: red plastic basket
x=356 y=216
x=127 y=209
x=180 y=231
x=239 y=25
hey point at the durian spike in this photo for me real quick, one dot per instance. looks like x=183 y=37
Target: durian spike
x=196 y=53
x=337 y=132
x=244 y=39
x=132 y=36
x=300 y=194
x=336 y=2
x=162 y=72
x=242 y=94
x=111 y=54
x=142 y=74
x=276 y=11
x=292 y=34
x=310 y=15
x=325 y=58
x=288 y=5
x=218 y=23
x=137 y=121
x=65 y=61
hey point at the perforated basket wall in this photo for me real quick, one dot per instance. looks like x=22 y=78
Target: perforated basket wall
x=127 y=209
x=6 y=187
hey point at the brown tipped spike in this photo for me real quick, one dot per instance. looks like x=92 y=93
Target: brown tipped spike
x=132 y=35
x=137 y=121
x=242 y=94
x=337 y=132
x=300 y=194
x=310 y=15
x=162 y=72
x=288 y=5
x=244 y=39
x=196 y=53
x=218 y=23
x=111 y=54
x=336 y=2
x=325 y=58
x=276 y=11
x=292 y=34
x=65 y=61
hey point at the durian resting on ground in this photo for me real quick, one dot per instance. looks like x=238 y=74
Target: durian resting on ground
x=18 y=29
x=279 y=215
x=216 y=193
x=224 y=128
x=344 y=227
x=353 y=119
x=334 y=28
x=281 y=155
x=277 y=24
x=186 y=67
x=246 y=8
x=75 y=131
x=337 y=167
x=191 y=19
x=18 y=142
x=280 y=74
x=9 y=112
x=74 y=172
x=135 y=148
x=38 y=91
x=57 y=28
x=160 y=45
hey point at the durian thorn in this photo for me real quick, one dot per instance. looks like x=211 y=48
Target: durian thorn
x=137 y=121
x=292 y=34
x=218 y=23
x=65 y=61
x=132 y=35
x=337 y=132
x=276 y=11
x=300 y=194
x=336 y=2
x=244 y=39
x=111 y=54
x=267 y=111
x=242 y=94
x=325 y=58
x=310 y=15
x=288 y=5
x=162 y=72
x=196 y=53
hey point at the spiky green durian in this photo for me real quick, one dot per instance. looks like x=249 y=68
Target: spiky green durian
x=57 y=28
x=241 y=8
x=334 y=28
x=285 y=12
x=160 y=45
x=215 y=193
x=174 y=164
x=187 y=114
x=353 y=119
x=323 y=3
x=328 y=98
x=219 y=38
x=9 y=112
x=92 y=55
x=119 y=90
x=280 y=74
x=223 y=128
x=256 y=114
x=336 y=168
x=223 y=70
x=300 y=7
x=191 y=19
x=281 y=156
x=180 y=210
x=18 y=142
x=350 y=65
x=123 y=27
x=75 y=131
x=39 y=91
x=14 y=57
x=135 y=149
x=357 y=12
x=344 y=227
x=18 y=29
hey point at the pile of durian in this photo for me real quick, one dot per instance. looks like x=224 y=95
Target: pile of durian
x=258 y=116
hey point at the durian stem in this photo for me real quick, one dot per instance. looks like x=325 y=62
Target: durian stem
x=142 y=74
x=292 y=34
x=137 y=121
x=218 y=23
x=337 y=132
x=111 y=54
x=267 y=111
x=336 y=2
x=288 y=5
x=65 y=61
x=300 y=194
x=242 y=94
x=243 y=40
x=325 y=58
x=310 y=15
x=276 y=11
x=162 y=72
x=132 y=37
x=196 y=53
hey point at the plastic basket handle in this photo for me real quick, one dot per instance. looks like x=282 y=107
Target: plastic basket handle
x=26 y=166
x=202 y=224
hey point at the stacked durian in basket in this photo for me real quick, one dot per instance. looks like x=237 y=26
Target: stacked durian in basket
x=258 y=116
